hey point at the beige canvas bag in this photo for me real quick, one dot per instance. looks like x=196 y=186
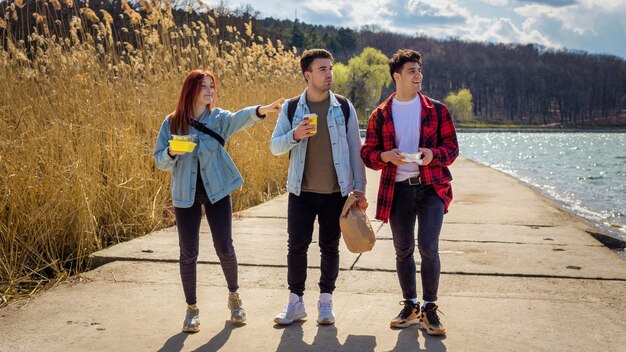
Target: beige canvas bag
x=356 y=227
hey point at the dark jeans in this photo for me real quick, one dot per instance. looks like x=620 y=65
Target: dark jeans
x=423 y=202
x=219 y=216
x=300 y=218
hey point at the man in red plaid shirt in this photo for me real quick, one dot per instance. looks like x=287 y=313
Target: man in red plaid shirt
x=411 y=137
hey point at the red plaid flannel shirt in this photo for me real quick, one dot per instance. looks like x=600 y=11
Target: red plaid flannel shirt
x=383 y=138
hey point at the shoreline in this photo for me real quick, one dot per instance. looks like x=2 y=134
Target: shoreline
x=602 y=233
x=508 y=255
x=540 y=130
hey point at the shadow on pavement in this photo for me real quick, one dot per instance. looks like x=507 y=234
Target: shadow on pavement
x=408 y=340
x=174 y=343
x=325 y=340
x=219 y=340
x=291 y=340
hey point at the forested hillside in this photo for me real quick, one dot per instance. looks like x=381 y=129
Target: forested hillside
x=510 y=83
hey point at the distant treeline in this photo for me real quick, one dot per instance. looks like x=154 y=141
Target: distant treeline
x=510 y=83
x=520 y=83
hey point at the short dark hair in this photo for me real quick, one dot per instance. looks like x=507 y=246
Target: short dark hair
x=401 y=57
x=309 y=55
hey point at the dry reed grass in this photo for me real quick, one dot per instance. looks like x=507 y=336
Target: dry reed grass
x=80 y=111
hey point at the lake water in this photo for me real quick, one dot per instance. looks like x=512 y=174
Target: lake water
x=584 y=172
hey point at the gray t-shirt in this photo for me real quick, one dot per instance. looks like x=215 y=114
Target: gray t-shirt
x=319 y=169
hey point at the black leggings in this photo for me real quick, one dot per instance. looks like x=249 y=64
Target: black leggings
x=219 y=216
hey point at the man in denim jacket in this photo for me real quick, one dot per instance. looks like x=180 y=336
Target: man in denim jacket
x=324 y=167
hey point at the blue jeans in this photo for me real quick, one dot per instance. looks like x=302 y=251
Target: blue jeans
x=422 y=202
x=301 y=214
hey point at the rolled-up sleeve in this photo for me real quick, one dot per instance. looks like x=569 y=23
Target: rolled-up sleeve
x=163 y=160
x=282 y=138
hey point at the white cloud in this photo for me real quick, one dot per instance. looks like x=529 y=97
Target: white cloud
x=497 y=2
x=325 y=7
x=446 y=8
x=368 y=12
x=582 y=19
x=499 y=30
x=594 y=25
x=413 y=16
x=568 y=17
x=552 y=3
x=528 y=34
x=462 y=24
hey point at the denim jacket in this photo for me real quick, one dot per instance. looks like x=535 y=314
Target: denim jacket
x=346 y=146
x=218 y=171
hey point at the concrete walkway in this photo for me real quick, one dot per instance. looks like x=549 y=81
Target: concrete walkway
x=519 y=274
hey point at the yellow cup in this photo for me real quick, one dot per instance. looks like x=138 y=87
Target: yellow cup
x=312 y=121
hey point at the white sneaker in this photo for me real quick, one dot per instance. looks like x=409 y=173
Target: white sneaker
x=294 y=311
x=325 y=310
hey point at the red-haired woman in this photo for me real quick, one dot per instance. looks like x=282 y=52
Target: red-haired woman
x=206 y=176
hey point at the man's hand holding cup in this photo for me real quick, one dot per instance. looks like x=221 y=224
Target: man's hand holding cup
x=306 y=128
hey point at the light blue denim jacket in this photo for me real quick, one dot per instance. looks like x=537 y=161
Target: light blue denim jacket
x=346 y=147
x=218 y=171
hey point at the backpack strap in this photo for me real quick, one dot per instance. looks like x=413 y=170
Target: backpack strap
x=291 y=108
x=380 y=120
x=345 y=108
x=202 y=128
x=438 y=105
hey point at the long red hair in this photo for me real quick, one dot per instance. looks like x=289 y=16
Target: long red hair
x=181 y=118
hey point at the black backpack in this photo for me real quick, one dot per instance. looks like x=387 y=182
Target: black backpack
x=345 y=108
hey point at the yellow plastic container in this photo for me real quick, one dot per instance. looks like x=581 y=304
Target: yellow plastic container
x=182 y=146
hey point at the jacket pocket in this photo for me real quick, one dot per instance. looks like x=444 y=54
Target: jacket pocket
x=220 y=170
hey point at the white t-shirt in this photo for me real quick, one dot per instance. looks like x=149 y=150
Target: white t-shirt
x=407 y=122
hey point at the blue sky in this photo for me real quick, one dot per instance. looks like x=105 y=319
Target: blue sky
x=595 y=26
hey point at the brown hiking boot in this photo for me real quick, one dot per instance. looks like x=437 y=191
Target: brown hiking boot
x=429 y=320
x=409 y=315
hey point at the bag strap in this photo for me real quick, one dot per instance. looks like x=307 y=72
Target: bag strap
x=293 y=104
x=291 y=108
x=437 y=105
x=345 y=108
x=380 y=120
x=202 y=128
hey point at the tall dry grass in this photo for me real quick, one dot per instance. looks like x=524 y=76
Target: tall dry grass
x=80 y=111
